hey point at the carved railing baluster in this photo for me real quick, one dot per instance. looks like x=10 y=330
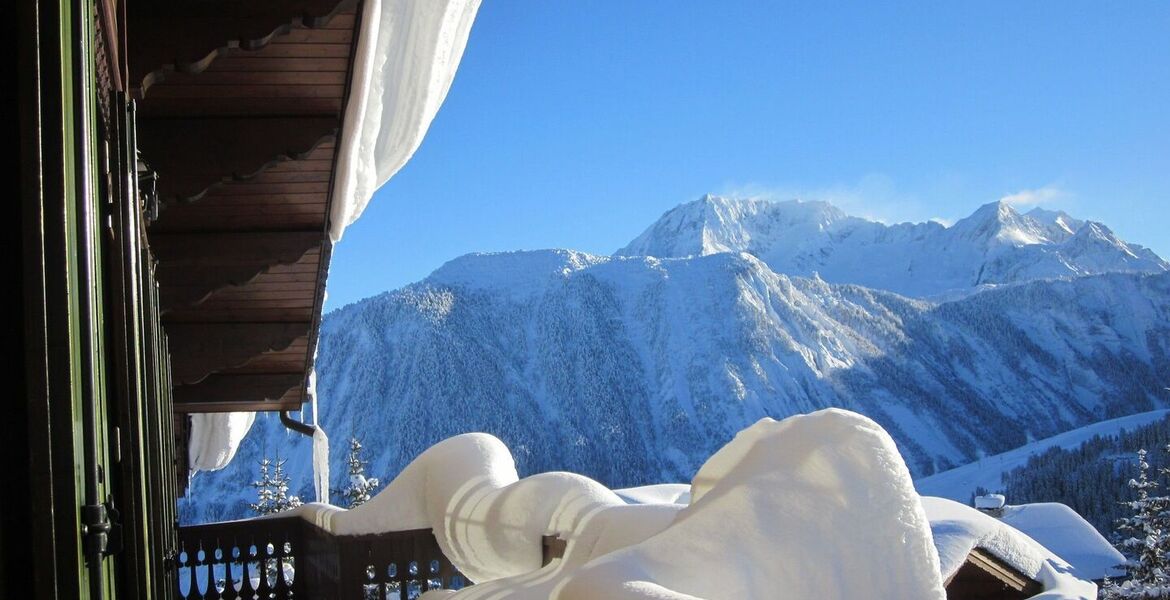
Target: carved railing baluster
x=253 y=583
x=202 y=576
x=235 y=572
x=279 y=569
x=281 y=558
x=218 y=572
x=183 y=584
x=434 y=579
x=393 y=586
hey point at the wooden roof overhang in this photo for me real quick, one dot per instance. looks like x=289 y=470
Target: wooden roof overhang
x=984 y=576
x=240 y=107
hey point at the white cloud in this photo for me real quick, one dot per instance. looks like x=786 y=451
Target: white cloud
x=943 y=221
x=1035 y=197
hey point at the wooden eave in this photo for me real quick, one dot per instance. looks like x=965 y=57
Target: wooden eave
x=240 y=105
x=985 y=576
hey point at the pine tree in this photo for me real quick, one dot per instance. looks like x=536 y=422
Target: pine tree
x=1144 y=539
x=1163 y=518
x=360 y=489
x=272 y=489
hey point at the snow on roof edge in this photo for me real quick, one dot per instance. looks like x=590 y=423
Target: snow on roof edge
x=407 y=54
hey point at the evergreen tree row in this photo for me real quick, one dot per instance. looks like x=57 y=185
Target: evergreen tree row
x=1092 y=478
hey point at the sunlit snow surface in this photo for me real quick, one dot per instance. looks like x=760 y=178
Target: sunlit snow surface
x=818 y=506
x=1061 y=530
x=662 y=493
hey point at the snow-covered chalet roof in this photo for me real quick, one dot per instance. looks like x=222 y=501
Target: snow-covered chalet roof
x=958 y=529
x=1061 y=530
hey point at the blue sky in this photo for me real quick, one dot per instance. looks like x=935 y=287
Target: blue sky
x=577 y=124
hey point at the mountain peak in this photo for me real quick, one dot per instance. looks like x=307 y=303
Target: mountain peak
x=1002 y=209
x=1056 y=218
x=713 y=224
x=999 y=223
x=995 y=244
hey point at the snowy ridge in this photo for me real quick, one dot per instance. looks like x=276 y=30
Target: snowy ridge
x=987 y=472
x=995 y=245
x=517 y=274
x=633 y=370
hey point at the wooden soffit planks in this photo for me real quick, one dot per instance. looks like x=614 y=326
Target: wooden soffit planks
x=240 y=104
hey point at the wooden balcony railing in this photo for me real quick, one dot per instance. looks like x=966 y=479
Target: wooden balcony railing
x=284 y=558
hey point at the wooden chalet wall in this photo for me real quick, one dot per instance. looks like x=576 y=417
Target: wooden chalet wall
x=93 y=516
x=176 y=164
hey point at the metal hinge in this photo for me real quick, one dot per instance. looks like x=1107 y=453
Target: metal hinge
x=170 y=561
x=105 y=189
x=148 y=190
x=104 y=158
x=101 y=531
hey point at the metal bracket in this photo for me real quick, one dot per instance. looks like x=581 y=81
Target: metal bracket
x=101 y=531
x=95 y=531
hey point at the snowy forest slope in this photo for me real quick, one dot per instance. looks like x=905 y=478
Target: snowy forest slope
x=988 y=472
x=1087 y=469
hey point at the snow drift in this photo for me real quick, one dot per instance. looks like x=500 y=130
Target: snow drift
x=818 y=505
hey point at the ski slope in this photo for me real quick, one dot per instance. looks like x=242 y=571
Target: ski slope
x=959 y=483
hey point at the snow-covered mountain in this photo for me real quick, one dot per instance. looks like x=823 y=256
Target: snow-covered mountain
x=995 y=245
x=632 y=370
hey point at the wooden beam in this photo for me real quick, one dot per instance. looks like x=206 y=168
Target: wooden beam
x=254 y=314
x=200 y=350
x=192 y=266
x=252 y=108
x=188 y=35
x=279 y=361
x=204 y=153
x=230 y=249
x=228 y=393
x=1004 y=572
